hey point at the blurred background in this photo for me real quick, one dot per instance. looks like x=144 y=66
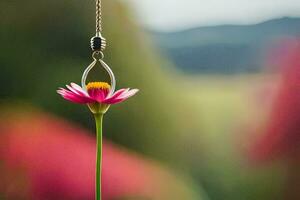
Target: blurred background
x=217 y=116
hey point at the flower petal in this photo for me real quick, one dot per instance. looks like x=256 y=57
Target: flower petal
x=128 y=94
x=79 y=89
x=122 y=97
x=117 y=93
x=98 y=94
x=71 y=98
x=81 y=93
x=74 y=97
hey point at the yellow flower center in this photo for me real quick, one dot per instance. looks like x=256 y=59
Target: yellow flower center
x=97 y=85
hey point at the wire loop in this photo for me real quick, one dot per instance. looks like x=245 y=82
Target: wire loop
x=98 y=55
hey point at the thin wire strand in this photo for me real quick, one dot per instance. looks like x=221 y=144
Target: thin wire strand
x=98 y=16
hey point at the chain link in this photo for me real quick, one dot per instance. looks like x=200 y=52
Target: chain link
x=98 y=17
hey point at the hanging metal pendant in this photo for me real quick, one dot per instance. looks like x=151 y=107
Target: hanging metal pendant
x=105 y=66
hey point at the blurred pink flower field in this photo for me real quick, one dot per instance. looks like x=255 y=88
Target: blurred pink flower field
x=44 y=157
x=280 y=139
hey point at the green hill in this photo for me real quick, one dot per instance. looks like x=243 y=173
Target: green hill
x=225 y=48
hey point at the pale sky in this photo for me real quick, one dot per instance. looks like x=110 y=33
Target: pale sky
x=166 y=15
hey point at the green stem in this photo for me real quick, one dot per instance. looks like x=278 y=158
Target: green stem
x=98 y=119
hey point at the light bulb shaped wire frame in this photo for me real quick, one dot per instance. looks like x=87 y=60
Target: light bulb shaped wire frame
x=107 y=69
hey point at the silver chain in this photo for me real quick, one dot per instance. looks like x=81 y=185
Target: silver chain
x=98 y=17
x=98 y=43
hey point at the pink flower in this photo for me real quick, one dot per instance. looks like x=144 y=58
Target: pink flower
x=97 y=95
